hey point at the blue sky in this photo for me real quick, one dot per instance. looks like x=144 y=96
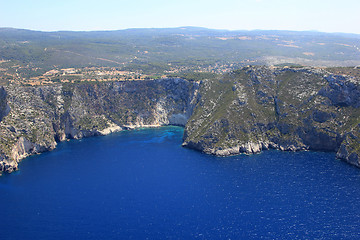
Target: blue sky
x=321 y=15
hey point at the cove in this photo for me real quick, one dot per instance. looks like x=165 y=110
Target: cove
x=143 y=185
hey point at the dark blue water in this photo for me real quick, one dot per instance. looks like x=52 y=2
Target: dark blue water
x=143 y=184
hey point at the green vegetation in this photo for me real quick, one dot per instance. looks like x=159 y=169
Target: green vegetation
x=281 y=106
x=92 y=123
x=159 y=51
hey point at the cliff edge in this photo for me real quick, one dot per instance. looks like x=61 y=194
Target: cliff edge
x=40 y=117
x=291 y=109
x=247 y=111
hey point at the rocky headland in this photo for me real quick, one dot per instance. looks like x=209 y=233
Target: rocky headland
x=246 y=111
x=258 y=108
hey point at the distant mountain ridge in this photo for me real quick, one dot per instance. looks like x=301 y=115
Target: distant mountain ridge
x=183 y=46
x=190 y=29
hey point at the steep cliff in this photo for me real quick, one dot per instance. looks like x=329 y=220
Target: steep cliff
x=42 y=116
x=246 y=111
x=257 y=108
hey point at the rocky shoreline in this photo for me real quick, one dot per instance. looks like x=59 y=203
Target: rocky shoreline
x=248 y=148
x=260 y=108
x=248 y=111
x=40 y=117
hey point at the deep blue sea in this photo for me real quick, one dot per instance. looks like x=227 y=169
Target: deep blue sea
x=143 y=185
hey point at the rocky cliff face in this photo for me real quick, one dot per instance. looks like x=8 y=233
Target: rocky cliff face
x=257 y=108
x=247 y=111
x=42 y=116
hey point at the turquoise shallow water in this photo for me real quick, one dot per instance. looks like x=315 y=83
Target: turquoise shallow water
x=143 y=185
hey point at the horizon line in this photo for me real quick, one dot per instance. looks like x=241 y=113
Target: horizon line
x=179 y=27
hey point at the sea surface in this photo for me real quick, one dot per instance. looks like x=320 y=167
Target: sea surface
x=143 y=185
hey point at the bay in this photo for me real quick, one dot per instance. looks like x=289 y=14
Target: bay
x=143 y=185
